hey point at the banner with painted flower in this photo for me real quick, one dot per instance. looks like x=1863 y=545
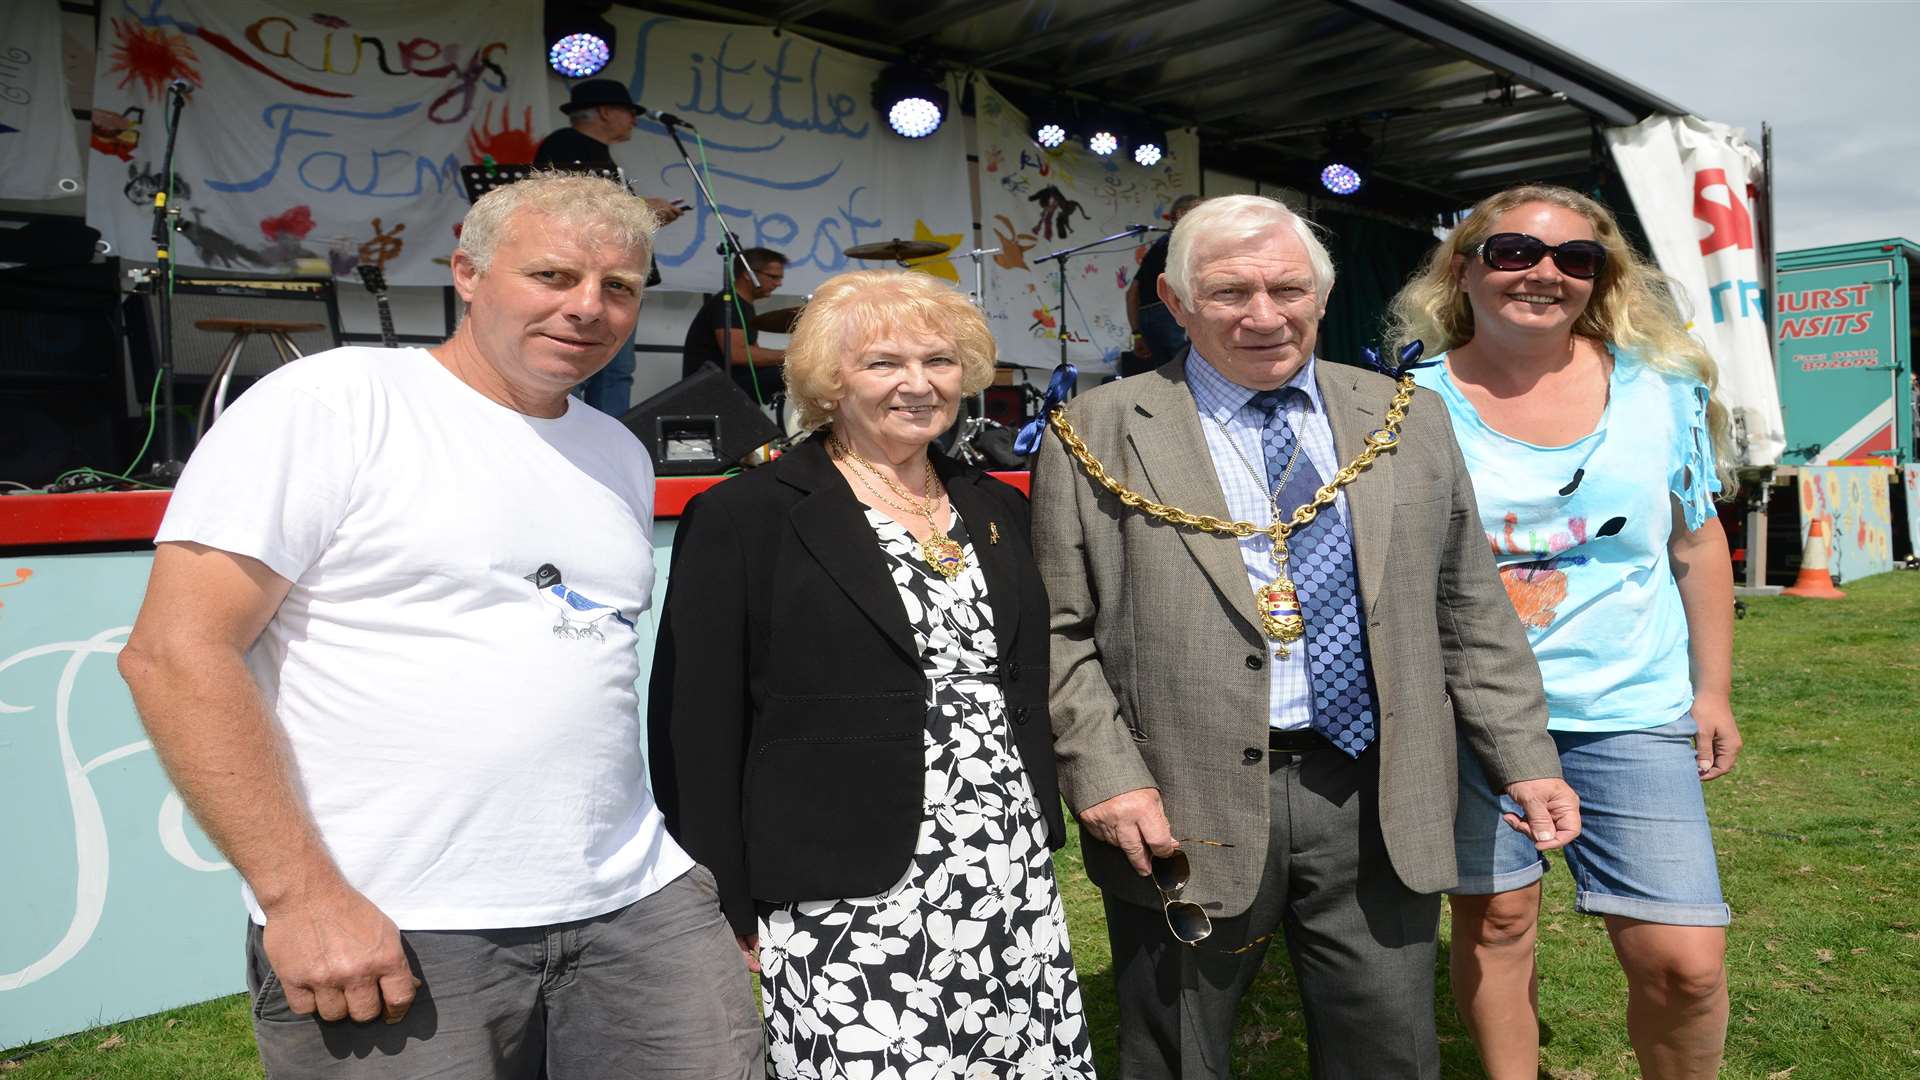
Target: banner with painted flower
x=797 y=156
x=1035 y=201
x=317 y=135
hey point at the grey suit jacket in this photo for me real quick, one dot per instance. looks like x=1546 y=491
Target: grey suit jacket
x=1159 y=671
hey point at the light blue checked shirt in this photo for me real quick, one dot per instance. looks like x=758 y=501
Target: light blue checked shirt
x=1224 y=402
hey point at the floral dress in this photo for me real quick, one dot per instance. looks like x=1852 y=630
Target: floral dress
x=961 y=970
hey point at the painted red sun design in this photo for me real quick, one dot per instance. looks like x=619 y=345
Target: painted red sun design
x=505 y=144
x=153 y=56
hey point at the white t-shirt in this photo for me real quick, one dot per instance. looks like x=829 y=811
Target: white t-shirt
x=454 y=666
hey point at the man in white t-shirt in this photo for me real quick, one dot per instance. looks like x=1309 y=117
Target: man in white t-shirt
x=387 y=655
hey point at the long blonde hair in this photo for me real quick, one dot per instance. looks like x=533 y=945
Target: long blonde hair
x=1633 y=303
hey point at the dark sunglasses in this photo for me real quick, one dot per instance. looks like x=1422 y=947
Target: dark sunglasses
x=1582 y=259
x=1188 y=921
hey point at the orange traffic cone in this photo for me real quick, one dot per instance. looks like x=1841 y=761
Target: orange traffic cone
x=1815 y=579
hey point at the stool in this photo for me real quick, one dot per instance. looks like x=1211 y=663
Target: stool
x=214 y=401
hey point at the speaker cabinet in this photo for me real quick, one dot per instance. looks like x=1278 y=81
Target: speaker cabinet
x=701 y=425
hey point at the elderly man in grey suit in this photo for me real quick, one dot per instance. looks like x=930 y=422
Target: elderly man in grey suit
x=1298 y=715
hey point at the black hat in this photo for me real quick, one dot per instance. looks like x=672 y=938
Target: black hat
x=597 y=92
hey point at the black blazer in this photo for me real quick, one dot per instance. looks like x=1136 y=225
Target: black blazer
x=787 y=704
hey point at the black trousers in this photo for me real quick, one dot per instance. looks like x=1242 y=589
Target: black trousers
x=1362 y=944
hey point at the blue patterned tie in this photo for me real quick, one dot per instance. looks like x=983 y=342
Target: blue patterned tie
x=1320 y=562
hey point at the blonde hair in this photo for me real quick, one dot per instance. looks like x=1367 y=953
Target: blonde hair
x=1632 y=306
x=591 y=206
x=855 y=309
x=1231 y=219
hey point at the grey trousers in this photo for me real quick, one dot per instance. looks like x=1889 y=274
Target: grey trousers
x=654 y=989
x=1362 y=944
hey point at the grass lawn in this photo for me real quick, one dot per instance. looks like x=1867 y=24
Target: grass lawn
x=1819 y=838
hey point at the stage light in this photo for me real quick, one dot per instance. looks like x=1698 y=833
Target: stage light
x=577 y=56
x=1147 y=154
x=1349 y=156
x=1050 y=135
x=1103 y=142
x=913 y=98
x=1340 y=179
x=579 y=38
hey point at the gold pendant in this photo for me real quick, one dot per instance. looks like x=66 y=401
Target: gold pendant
x=944 y=555
x=1280 y=615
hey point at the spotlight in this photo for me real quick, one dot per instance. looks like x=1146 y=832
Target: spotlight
x=1149 y=145
x=1049 y=121
x=913 y=98
x=579 y=38
x=577 y=56
x=1103 y=142
x=1340 y=179
x=1349 y=155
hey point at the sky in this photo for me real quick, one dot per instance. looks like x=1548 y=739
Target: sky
x=1839 y=80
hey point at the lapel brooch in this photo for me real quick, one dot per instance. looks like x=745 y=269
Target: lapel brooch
x=993 y=532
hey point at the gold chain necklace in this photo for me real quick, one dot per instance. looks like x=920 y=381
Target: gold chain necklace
x=942 y=553
x=1273 y=602
x=1278 y=599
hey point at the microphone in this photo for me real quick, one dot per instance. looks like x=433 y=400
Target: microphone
x=181 y=87
x=670 y=120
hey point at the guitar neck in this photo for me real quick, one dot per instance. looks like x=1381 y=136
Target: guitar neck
x=389 y=338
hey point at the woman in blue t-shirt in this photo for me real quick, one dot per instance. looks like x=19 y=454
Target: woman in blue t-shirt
x=1586 y=417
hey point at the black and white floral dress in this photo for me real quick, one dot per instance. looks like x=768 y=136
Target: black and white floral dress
x=961 y=970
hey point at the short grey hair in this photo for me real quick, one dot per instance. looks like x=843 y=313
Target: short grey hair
x=589 y=205
x=1231 y=218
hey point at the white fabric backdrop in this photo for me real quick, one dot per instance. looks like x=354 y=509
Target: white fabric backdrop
x=39 y=158
x=1693 y=184
x=1101 y=196
x=799 y=160
x=320 y=132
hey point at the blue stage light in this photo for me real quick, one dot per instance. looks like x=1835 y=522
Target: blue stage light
x=577 y=56
x=1340 y=179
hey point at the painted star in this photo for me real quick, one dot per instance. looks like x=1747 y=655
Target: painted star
x=941 y=265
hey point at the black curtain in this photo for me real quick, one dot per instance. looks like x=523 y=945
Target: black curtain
x=1372 y=259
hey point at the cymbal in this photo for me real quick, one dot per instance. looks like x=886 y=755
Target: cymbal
x=898 y=250
x=779 y=320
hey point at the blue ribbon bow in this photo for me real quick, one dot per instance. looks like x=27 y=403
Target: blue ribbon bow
x=1409 y=353
x=1058 y=388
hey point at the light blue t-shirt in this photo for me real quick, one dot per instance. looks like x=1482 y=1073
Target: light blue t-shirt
x=1580 y=533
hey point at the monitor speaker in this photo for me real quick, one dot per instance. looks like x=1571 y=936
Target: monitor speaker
x=701 y=425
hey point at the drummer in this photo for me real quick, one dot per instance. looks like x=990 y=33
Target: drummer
x=755 y=368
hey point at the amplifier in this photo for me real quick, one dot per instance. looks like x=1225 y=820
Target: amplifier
x=199 y=295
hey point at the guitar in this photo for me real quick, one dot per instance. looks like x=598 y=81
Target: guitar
x=376 y=282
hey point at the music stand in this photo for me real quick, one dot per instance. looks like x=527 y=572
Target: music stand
x=477 y=180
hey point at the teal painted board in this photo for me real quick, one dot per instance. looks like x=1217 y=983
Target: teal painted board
x=114 y=903
x=1845 y=353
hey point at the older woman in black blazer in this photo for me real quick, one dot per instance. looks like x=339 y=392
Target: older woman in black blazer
x=849 y=719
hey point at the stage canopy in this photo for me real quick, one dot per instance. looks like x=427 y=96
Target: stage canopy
x=1451 y=102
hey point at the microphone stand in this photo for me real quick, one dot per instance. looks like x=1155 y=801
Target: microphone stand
x=1061 y=258
x=167 y=470
x=729 y=249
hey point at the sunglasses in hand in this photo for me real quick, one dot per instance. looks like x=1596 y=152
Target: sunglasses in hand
x=1188 y=921
x=1583 y=259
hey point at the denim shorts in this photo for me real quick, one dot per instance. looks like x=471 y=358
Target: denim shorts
x=1644 y=851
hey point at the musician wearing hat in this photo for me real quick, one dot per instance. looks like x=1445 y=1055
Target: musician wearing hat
x=601 y=112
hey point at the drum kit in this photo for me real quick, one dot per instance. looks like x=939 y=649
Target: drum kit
x=974 y=437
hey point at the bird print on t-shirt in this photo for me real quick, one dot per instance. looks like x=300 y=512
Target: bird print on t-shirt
x=579 y=616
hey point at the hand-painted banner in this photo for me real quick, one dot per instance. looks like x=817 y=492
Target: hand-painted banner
x=1035 y=201
x=1694 y=185
x=318 y=135
x=796 y=155
x=1856 y=500
x=38 y=156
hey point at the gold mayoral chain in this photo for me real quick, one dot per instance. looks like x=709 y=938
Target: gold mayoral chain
x=1277 y=601
x=942 y=552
